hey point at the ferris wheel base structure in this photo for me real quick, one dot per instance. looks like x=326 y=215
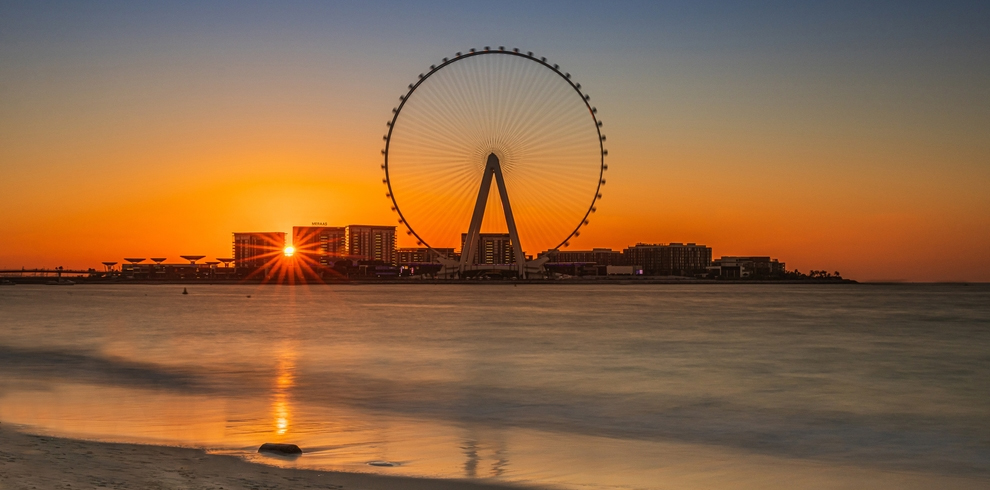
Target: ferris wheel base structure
x=534 y=269
x=523 y=267
x=453 y=268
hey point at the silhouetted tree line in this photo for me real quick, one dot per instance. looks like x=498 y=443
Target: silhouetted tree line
x=813 y=274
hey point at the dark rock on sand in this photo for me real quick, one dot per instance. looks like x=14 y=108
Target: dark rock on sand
x=387 y=464
x=270 y=447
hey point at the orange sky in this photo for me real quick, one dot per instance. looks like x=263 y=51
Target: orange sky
x=850 y=154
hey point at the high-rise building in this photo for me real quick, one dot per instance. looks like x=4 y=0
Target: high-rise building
x=492 y=248
x=321 y=244
x=671 y=259
x=364 y=242
x=256 y=249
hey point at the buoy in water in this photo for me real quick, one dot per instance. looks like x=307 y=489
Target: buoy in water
x=184 y=291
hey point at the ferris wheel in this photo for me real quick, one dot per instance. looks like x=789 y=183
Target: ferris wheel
x=502 y=117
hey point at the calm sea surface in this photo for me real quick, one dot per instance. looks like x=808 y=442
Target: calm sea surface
x=649 y=386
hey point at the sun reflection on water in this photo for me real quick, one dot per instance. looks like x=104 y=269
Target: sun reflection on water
x=285 y=376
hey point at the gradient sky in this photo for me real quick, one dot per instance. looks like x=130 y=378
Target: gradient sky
x=836 y=136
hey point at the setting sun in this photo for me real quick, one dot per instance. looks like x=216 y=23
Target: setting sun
x=288 y=251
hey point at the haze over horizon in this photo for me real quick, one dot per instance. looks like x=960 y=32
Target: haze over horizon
x=847 y=137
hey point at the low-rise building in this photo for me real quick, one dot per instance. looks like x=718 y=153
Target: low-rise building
x=753 y=267
x=623 y=270
x=422 y=255
x=160 y=271
x=675 y=259
x=597 y=256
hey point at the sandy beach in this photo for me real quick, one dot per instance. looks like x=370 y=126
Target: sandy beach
x=40 y=462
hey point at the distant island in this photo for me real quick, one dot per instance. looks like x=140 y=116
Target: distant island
x=367 y=253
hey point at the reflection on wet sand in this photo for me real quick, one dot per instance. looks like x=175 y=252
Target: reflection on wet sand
x=470 y=459
x=501 y=461
x=476 y=445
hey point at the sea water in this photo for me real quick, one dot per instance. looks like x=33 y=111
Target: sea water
x=571 y=386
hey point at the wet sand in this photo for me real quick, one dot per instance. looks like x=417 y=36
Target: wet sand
x=30 y=461
x=41 y=462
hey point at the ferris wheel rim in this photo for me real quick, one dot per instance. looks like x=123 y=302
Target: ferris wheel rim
x=585 y=99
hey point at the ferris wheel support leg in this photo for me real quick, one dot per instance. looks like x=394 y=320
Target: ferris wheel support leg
x=510 y=221
x=492 y=169
x=471 y=240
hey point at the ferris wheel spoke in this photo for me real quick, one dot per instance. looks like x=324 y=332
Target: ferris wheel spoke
x=434 y=123
x=569 y=207
x=556 y=208
x=529 y=136
x=453 y=98
x=446 y=110
x=544 y=195
x=511 y=105
x=543 y=99
x=538 y=108
x=451 y=192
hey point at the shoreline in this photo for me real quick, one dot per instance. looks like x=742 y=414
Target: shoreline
x=36 y=461
x=421 y=282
